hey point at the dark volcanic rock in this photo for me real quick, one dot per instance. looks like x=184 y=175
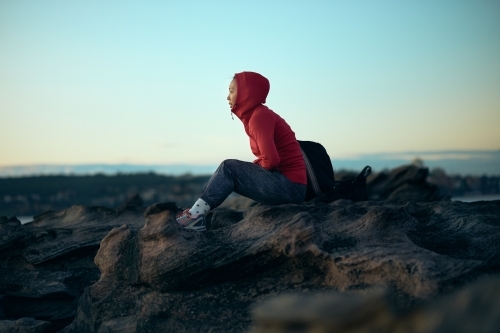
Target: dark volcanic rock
x=164 y=278
x=45 y=265
x=405 y=183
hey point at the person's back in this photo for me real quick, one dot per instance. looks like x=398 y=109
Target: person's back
x=289 y=157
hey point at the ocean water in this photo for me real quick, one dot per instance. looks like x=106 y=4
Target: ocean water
x=25 y=219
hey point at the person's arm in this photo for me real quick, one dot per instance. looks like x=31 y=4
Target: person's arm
x=262 y=130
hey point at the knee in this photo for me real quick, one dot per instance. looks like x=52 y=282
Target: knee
x=229 y=164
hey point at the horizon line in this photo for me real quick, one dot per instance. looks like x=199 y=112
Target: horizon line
x=354 y=156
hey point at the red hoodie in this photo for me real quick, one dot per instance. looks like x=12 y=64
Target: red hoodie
x=272 y=141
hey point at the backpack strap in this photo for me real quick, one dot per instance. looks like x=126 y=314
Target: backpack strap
x=311 y=175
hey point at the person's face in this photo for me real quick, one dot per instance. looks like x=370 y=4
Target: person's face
x=233 y=89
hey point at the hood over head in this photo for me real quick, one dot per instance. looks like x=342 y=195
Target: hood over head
x=252 y=91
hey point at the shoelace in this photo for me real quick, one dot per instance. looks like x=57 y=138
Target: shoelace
x=183 y=217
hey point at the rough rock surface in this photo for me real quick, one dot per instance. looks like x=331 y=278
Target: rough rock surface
x=149 y=275
x=163 y=278
x=45 y=265
x=238 y=202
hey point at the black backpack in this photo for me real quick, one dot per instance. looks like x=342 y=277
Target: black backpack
x=321 y=184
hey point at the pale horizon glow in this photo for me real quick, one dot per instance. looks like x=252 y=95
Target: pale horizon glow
x=113 y=82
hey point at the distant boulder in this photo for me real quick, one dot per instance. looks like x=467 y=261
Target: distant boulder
x=135 y=200
x=405 y=183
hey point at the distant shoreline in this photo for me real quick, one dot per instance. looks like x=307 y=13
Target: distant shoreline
x=474 y=163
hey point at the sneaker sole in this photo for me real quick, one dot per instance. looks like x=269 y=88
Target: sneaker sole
x=197 y=228
x=200 y=228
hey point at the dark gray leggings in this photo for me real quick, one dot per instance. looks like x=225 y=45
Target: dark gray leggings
x=252 y=181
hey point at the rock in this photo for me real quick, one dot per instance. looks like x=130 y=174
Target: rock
x=164 y=278
x=405 y=183
x=325 y=312
x=45 y=266
x=45 y=295
x=78 y=228
x=135 y=200
x=238 y=202
x=11 y=233
x=473 y=309
x=221 y=217
x=2 y=302
x=24 y=325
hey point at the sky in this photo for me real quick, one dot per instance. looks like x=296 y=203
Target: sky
x=145 y=82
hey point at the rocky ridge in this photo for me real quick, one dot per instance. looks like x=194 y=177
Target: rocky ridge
x=132 y=269
x=163 y=277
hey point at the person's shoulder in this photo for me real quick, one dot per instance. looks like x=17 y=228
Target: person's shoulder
x=262 y=115
x=263 y=111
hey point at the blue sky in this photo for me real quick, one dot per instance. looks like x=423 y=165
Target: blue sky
x=146 y=82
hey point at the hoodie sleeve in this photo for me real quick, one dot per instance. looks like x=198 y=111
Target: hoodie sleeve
x=261 y=127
